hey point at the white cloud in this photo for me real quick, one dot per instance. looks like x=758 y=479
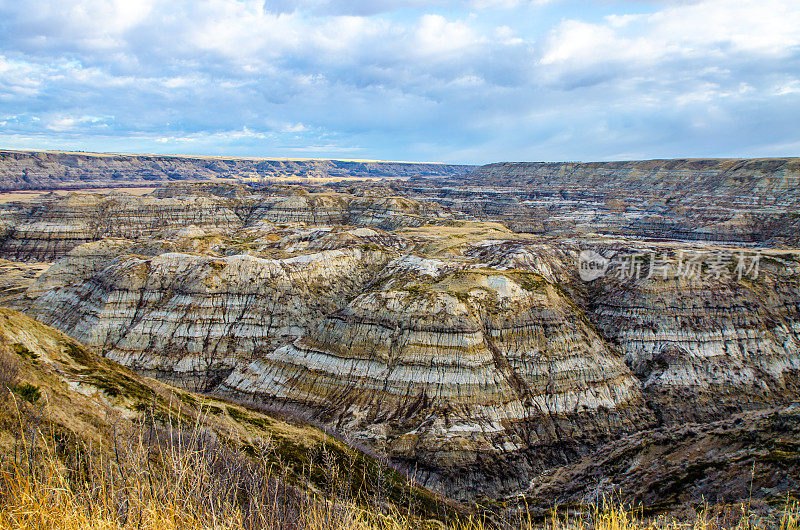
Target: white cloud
x=19 y=78
x=506 y=4
x=787 y=87
x=581 y=42
x=768 y=27
x=507 y=36
x=61 y=122
x=294 y=128
x=711 y=28
x=403 y=78
x=435 y=35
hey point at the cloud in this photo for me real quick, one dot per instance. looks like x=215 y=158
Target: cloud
x=435 y=35
x=473 y=81
x=713 y=30
x=345 y=7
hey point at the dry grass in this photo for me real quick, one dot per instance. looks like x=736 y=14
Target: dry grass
x=171 y=478
x=167 y=477
x=612 y=516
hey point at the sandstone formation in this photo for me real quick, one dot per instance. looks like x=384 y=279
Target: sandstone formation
x=468 y=377
x=707 y=348
x=192 y=317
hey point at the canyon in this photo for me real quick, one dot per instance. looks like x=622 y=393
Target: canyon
x=438 y=316
x=724 y=200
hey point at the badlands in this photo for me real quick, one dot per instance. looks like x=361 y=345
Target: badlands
x=439 y=315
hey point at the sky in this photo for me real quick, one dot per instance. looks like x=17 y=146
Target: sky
x=473 y=81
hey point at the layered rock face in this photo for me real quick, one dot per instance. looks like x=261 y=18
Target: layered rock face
x=192 y=318
x=714 y=200
x=468 y=378
x=320 y=208
x=24 y=170
x=48 y=227
x=703 y=347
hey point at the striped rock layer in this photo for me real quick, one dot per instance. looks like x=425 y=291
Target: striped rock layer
x=47 y=228
x=482 y=384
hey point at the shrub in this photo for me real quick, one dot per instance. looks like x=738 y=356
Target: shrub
x=28 y=392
